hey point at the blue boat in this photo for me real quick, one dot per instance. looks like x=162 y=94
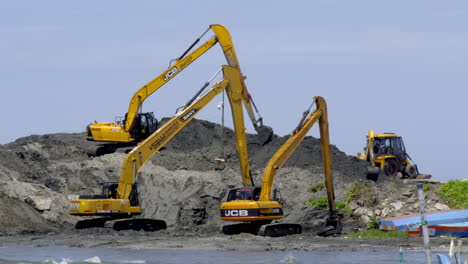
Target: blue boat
x=448 y=222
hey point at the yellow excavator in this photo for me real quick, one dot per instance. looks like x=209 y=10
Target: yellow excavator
x=386 y=152
x=256 y=207
x=137 y=126
x=120 y=200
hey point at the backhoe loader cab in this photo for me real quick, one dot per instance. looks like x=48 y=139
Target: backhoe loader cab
x=386 y=152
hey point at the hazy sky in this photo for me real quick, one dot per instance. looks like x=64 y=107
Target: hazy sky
x=390 y=66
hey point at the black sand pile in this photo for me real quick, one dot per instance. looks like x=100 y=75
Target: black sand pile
x=182 y=184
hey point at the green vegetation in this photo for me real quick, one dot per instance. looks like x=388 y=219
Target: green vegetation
x=373 y=223
x=317 y=187
x=361 y=193
x=320 y=202
x=455 y=194
x=342 y=205
x=427 y=188
x=376 y=233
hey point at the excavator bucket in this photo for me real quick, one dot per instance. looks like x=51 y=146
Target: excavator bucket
x=264 y=134
x=333 y=226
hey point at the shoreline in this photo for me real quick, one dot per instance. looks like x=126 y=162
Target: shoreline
x=243 y=242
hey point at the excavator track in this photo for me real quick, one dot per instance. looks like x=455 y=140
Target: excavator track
x=279 y=229
x=89 y=223
x=263 y=229
x=148 y=225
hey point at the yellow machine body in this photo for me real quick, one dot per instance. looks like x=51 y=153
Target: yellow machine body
x=251 y=210
x=103 y=207
x=108 y=132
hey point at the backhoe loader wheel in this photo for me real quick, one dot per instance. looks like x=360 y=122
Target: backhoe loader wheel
x=411 y=171
x=391 y=167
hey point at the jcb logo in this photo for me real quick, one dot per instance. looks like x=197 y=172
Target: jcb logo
x=170 y=73
x=236 y=213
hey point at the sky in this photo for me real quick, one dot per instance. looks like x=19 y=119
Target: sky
x=388 y=66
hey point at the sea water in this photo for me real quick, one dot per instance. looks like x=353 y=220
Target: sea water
x=66 y=255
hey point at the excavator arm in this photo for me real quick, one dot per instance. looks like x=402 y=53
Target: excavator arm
x=222 y=37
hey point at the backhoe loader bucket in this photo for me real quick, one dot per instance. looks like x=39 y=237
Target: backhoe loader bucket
x=373 y=173
x=264 y=134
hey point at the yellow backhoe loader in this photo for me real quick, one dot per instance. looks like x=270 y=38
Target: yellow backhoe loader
x=120 y=200
x=256 y=207
x=386 y=153
x=137 y=126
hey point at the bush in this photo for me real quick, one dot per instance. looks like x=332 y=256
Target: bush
x=343 y=206
x=317 y=187
x=427 y=188
x=455 y=194
x=373 y=223
x=320 y=202
x=362 y=194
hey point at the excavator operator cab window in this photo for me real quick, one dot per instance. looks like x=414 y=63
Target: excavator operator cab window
x=145 y=125
x=246 y=193
x=109 y=190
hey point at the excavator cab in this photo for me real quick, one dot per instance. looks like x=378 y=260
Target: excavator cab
x=249 y=193
x=145 y=125
x=244 y=193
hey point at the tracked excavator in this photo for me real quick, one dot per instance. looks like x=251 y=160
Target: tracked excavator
x=137 y=126
x=120 y=200
x=256 y=207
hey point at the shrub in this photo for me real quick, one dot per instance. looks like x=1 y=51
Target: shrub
x=320 y=202
x=427 y=187
x=362 y=194
x=317 y=187
x=455 y=194
x=373 y=223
